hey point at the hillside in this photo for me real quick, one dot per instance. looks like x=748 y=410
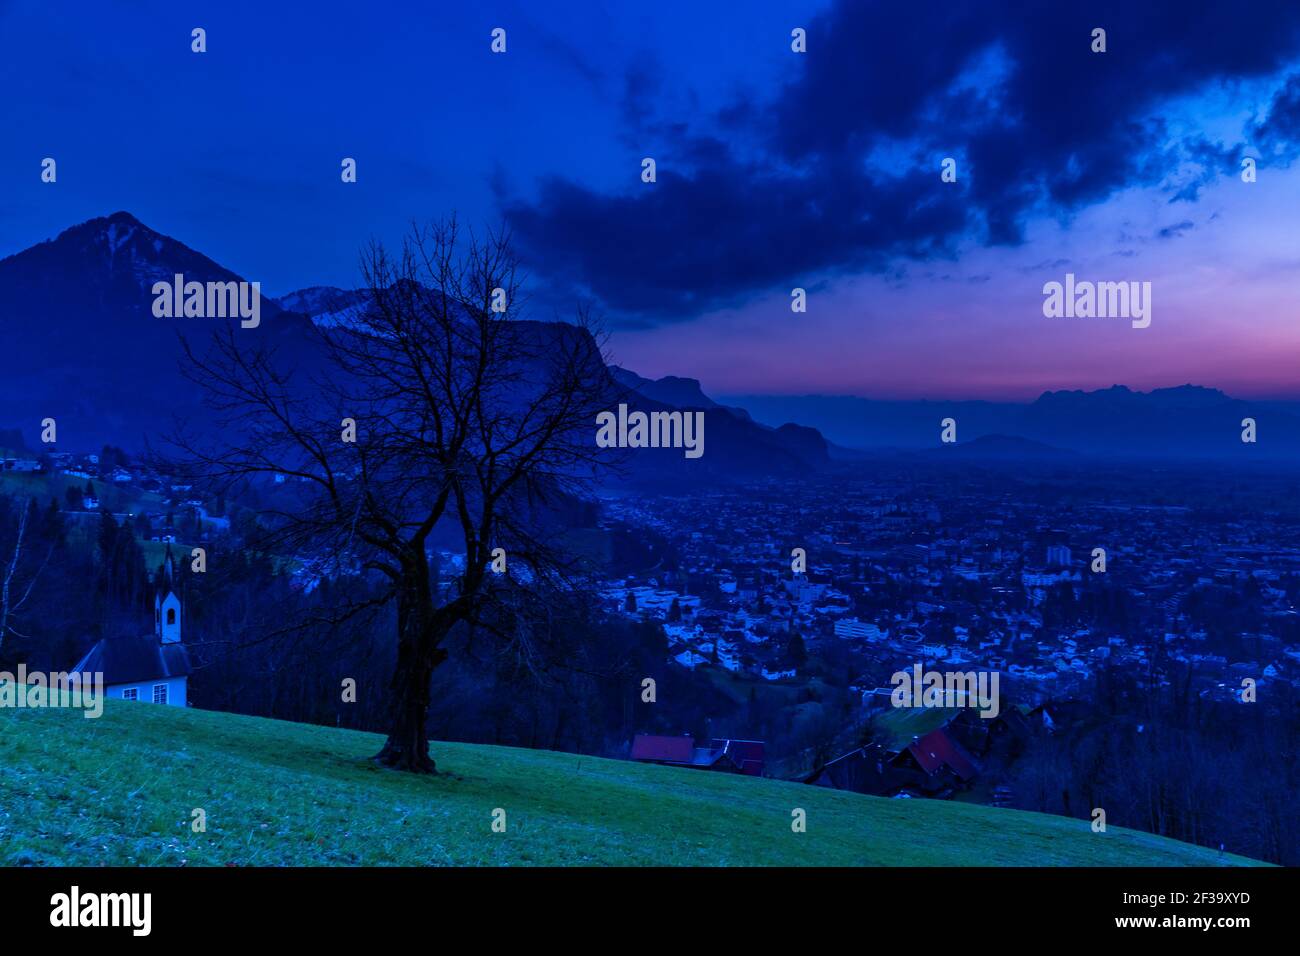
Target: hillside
x=120 y=790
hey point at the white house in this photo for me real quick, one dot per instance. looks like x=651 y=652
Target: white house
x=153 y=667
x=851 y=627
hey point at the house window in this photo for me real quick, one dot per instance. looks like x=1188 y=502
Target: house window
x=160 y=693
x=171 y=616
x=130 y=693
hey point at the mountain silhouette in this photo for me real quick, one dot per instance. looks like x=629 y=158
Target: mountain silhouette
x=1182 y=422
x=85 y=348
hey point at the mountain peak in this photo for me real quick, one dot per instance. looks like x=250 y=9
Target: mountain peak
x=1179 y=395
x=118 y=222
x=1200 y=393
x=670 y=390
x=122 y=217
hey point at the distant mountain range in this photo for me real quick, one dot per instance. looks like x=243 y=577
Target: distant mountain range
x=83 y=347
x=1188 y=422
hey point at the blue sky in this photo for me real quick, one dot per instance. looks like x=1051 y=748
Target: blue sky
x=237 y=151
x=775 y=170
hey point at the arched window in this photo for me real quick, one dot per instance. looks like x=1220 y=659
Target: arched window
x=171 y=616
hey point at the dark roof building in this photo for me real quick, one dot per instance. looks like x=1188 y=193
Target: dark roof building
x=135 y=660
x=747 y=755
x=936 y=752
x=651 y=748
x=729 y=756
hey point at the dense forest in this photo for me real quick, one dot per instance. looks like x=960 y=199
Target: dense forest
x=1168 y=762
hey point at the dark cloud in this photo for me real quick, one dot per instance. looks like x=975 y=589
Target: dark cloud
x=839 y=169
x=1281 y=128
x=1176 y=230
x=561 y=51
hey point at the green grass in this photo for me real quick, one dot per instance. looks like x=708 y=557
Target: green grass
x=120 y=790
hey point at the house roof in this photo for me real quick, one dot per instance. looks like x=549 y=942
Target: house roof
x=706 y=757
x=748 y=755
x=936 y=750
x=130 y=660
x=856 y=770
x=671 y=749
x=741 y=749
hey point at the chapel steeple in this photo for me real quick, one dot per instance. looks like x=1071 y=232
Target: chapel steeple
x=167 y=604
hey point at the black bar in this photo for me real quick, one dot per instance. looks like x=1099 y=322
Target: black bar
x=928 y=905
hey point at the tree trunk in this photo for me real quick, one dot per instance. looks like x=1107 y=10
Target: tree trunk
x=418 y=653
x=407 y=746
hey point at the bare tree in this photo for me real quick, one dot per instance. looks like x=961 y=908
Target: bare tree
x=13 y=594
x=466 y=422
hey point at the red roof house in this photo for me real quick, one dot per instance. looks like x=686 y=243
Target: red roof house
x=651 y=748
x=745 y=754
x=937 y=751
